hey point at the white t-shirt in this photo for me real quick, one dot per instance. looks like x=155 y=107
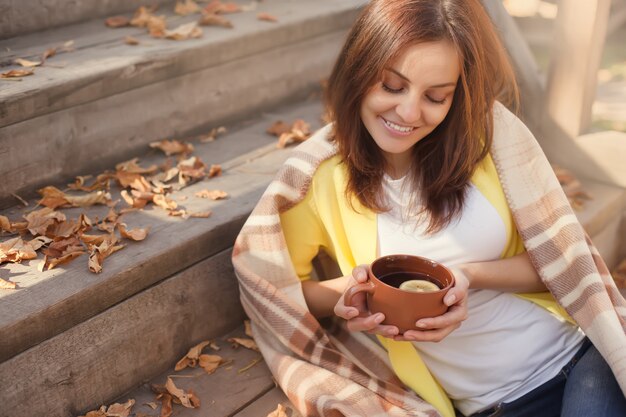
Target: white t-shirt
x=507 y=346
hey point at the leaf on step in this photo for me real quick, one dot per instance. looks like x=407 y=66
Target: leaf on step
x=102 y=251
x=133 y=167
x=281 y=411
x=117 y=21
x=52 y=197
x=129 y=40
x=101 y=412
x=40 y=220
x=120 y=410
x=200 y=214
x=210 y=362
x=144 y=18
x=166 y=405
x=242 y=341
x=18 y=73
x=38 y=242
x=185 y=7
x=5 y=224
x=213 y=134
x=172 y=147
x=215 y=171
x=185 y=31
x=26 y=63
x=278 y=128
x=216 y=6
x=212 y=19
x=191 y=169
x=16 y=250
x=7 y=285
x=266 y=17
x=101 y=183
x=132 y=234
x=212 y=194
x=152 y=405
x=164 y=202
x=60 y=252
x=186 y=399
x=49 y=53
x=191 y=358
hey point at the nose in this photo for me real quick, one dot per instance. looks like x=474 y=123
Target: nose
x=409 y=109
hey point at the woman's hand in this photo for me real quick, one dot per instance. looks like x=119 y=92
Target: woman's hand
x=437 y=328
x=358 y=317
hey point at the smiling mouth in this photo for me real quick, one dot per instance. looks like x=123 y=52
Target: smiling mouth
x=397 y=128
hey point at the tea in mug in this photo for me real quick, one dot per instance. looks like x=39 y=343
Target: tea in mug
x=412 y=281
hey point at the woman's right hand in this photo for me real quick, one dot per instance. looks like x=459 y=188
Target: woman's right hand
x=357 y=315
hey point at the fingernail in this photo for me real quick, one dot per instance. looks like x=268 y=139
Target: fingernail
x=353 y=313
x=379 y=318
x=450 y=300
x=420 y=324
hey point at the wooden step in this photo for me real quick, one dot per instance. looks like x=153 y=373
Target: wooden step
x=71 y=340
x=48 y=303
x=25 y=16
x=89 y=108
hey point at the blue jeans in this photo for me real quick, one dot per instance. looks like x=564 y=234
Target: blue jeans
x=585 y=387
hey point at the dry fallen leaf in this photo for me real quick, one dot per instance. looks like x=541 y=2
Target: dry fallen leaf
x=102 y=251
x=164 y=202
x=133 y=167
x=242 y=341
x=40 y=220
x=185 y=31
x=215 y=171
x=120 y=410
x=187 y=399
x=27 y=63
x=129 y=40
x=5 y=224
x=7 y=285
x=266 y=17
x=191 y=358
x=281 y=411
x=210 y=362
x=172 y=147
x=133 y=234
x=186 y=7
x=16 y=250
x=52 y=197
x=213 y=134
x=166 y=405
x=18 y=73
x=216 y=6
x=117 y=21
x=278 y=128
x=212 y=19
x=152 y=405
x=212 y=194
x=49 y=53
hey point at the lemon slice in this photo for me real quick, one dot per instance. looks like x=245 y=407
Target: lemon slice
x=419 y=285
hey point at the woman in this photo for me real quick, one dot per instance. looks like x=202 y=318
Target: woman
x=422 y=159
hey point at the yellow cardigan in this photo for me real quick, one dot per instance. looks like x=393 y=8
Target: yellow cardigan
x=325 y=221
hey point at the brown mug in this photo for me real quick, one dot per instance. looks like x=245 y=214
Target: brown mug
x=403 y=308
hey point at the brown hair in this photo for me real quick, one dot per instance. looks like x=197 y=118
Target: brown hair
x=448 y=156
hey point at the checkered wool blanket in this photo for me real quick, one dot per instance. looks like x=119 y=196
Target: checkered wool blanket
x=331 y=372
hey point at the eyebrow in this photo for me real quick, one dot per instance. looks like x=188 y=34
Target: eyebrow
x=399 y=74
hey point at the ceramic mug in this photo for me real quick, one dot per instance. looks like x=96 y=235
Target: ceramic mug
x=403 y=308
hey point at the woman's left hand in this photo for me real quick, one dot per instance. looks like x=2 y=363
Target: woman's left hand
x=437 y=328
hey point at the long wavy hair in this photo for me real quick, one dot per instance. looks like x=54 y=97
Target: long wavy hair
x=443 y=161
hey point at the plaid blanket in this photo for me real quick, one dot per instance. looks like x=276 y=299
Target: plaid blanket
x=329 y=371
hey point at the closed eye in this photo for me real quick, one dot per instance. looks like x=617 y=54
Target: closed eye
x=432 y=100
x=391 y=90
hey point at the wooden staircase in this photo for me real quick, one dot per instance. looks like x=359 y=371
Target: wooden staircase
x=71 y=340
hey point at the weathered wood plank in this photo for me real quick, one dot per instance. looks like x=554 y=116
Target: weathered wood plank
x=103 y=65
x=24 y=16
x=51 y=302
x=222 y=393
x=268 y=403
x=95 y=135
x=133 y=341
x=580 y=30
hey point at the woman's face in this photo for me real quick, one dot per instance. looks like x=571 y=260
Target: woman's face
x=412 y=98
